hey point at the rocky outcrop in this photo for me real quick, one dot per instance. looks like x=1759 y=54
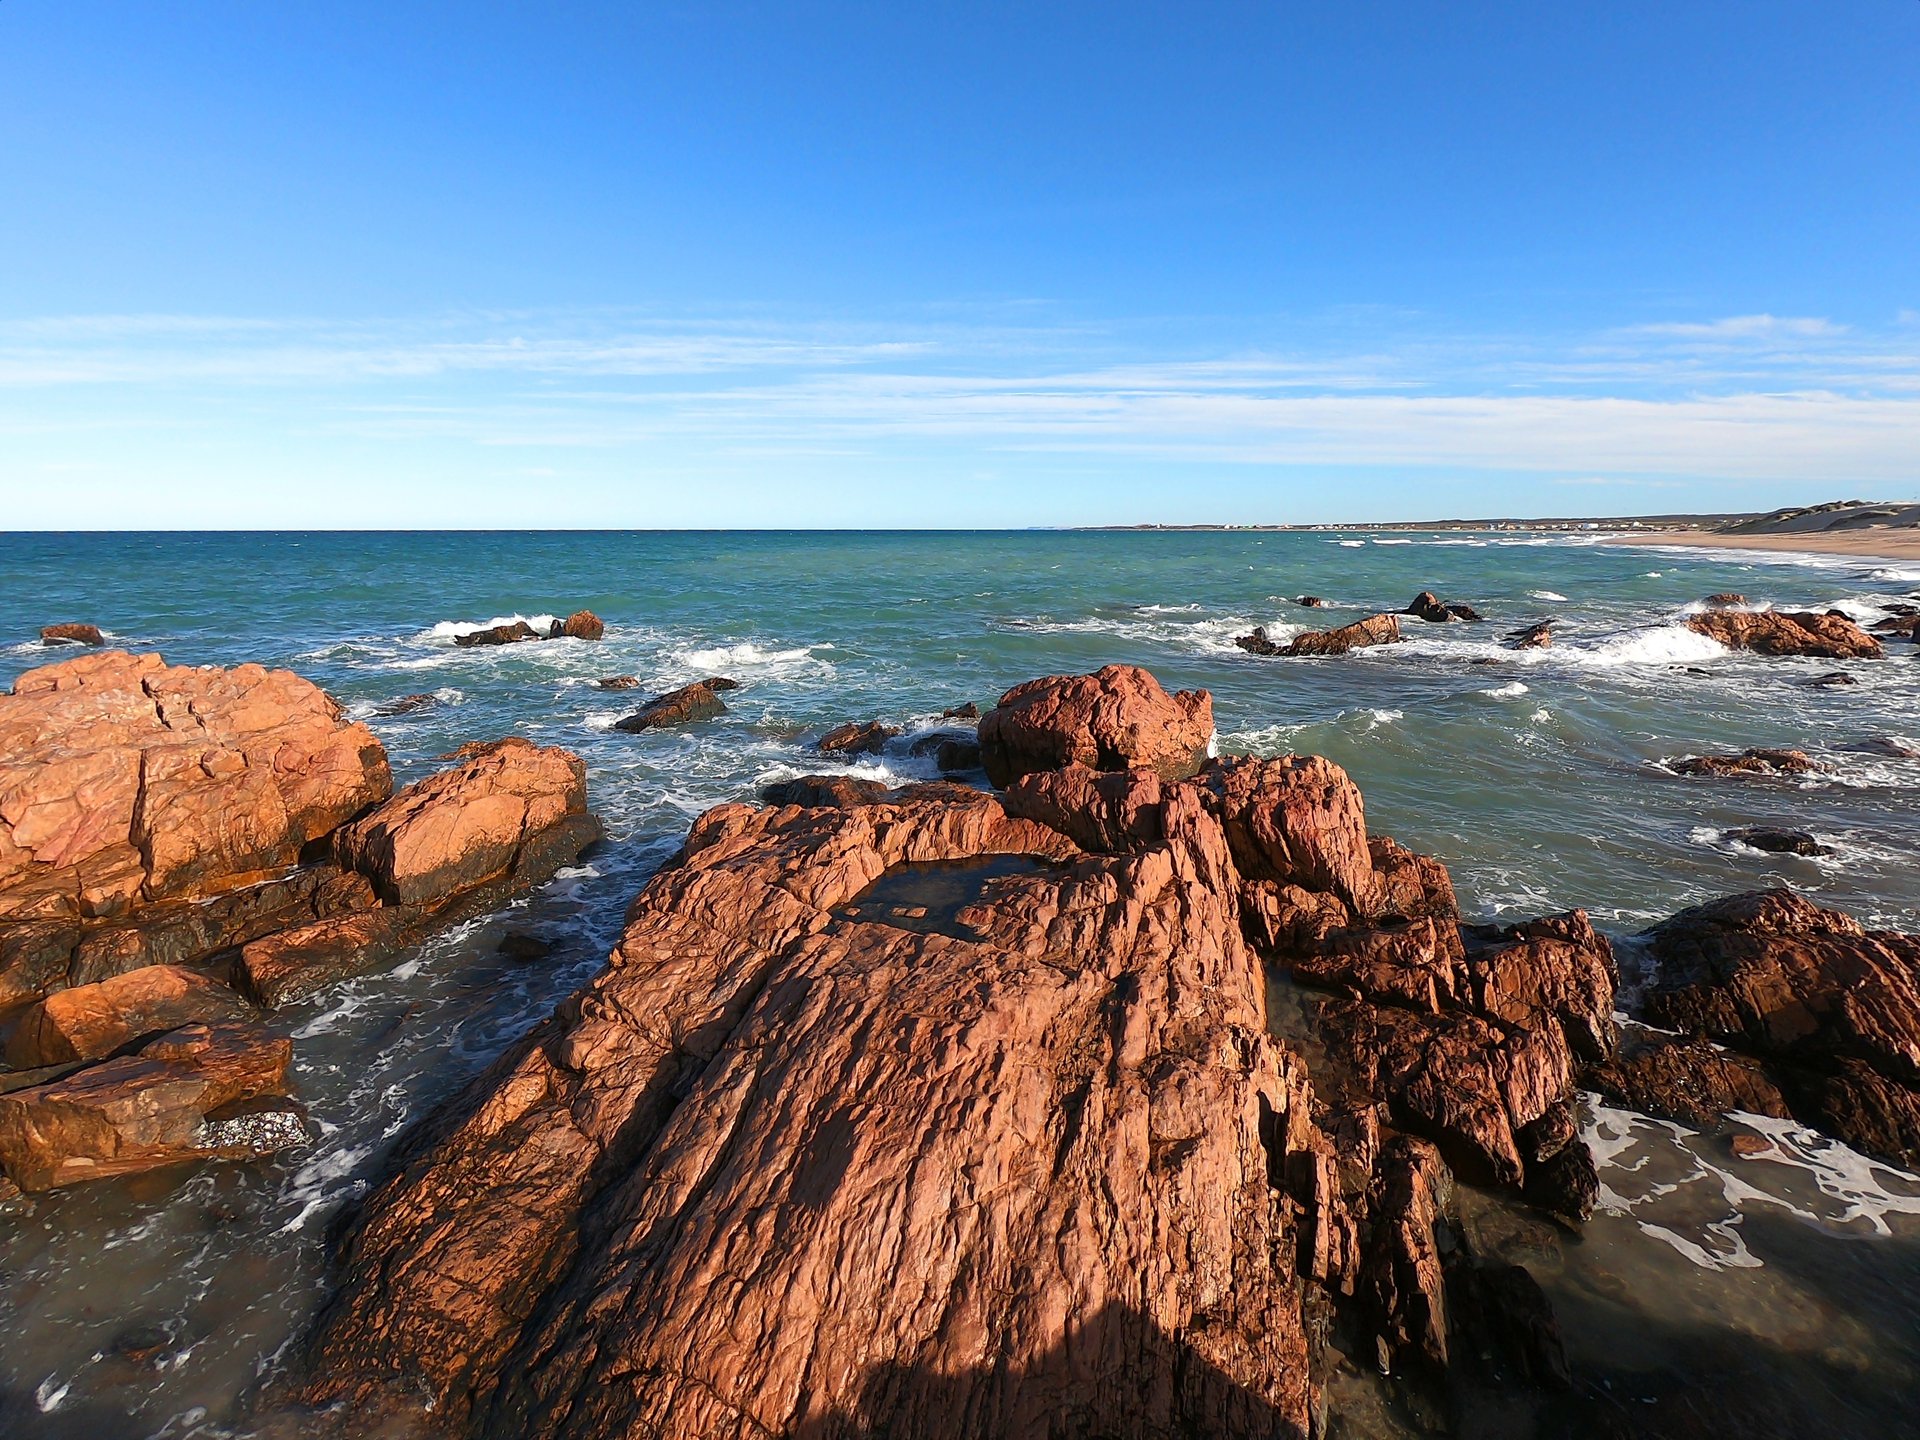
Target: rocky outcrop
x=1776 y=840
x=1692 y=1081
x=90 y=1022
x=511 y=633
x=1830 y=636
x=856 y=737
x=677 y=707
x=1374 y=630
x=1830 y=1009
x=125 y=781
x=1747 y=762
x=1431 y=608
x=1725 y=600
x=841 y=792
x=71 y=634
x=618 y=682
x=1534 y=637
x=1309 y=602
x=1115 y=719
x=581 y=625
x=201 y=1092
x=407 y=705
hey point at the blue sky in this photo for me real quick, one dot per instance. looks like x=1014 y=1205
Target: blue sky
x=953 y=264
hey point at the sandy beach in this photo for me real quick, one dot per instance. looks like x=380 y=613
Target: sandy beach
x=1867 y=544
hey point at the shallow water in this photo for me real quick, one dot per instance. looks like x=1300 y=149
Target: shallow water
x=1535 y=777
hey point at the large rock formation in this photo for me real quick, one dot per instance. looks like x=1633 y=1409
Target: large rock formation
x=1831 y=635
x=1115 y=719
x=90 y=1022
x=939 y=1114
x=1374 y=630
x=125 y=780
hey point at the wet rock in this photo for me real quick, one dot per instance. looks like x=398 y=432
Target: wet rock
x=1750 y=1147
x=856 y=737
x=1403 y=1275
x=1691 y=1081
x=1310 y=602
x=581 y=625
x=951 y=753
x=1832 y=680
x=407 y=705
x=1908 y=625
x=464 y=825
x=90 y=1022
x=968 y=711
x=1533 y=637
x=619 y=682
x=1776 y=840
x=1258 y=642
x=1374 y=630
x=1889 y=747
x=1871 y=1111
x=1429 y=607
x=1782 y=632
x=1747 y=762
x=508 y=634
x=1118 y=718
x=169 y=1102
x=760 y=1073
x=125 y=781
x=1725 y=600
x=835 y=792
x=71 y=634
x=717 y=683
x=522 y=946
x=1505 y=1332
x=293 y=964
x=677 y=707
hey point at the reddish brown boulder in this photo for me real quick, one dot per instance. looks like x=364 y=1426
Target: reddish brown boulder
x=856 y=737
x=465 y=825
x=282 y=968
x=1374 y=630
x=1831 y=636
x=768 y=1080
x=1725 y=600
x=677 y=707
x=125 y=781
x=1115 y=719
x=581 y=625
x=1691 y=1081
x=1554 y=970
x=841 y=792
x=508 y=634
x=92 y=1021
x=1296 y=820
x=198 y=1093
x=73 y=634
x=1747 y=762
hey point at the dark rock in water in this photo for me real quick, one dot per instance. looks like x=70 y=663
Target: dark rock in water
x=950 y=752
x=1692 y=1081
x=1403 y=1277
x=856 y=737
x=407 y=705
x=510 y=634
x=1429 y=607
x=717 y=683
x=968 y=711
x=1118 y=718
x=142 y=1344
x=678 y=707
x=169 y=1102
x=1725 y=600
x=1311 y=602
x=1533 y=637
x=1906 y=624
x=1486 y=660
x=71 y=635
x=90 y=1022
x=1889 y=747
x=1748 y=762
x=1463 y=612
x=1374 y=630
x=1833 y=679
x=1777 y=841
x=1780 y=632
x=520 y=945
x=834 y=792
x=1504 y=1326
x=581 y=625
x=618 y=682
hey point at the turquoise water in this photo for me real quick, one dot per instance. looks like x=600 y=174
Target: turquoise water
x=1535 y=777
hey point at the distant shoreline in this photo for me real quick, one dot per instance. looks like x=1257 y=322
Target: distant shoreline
x=1865 y=544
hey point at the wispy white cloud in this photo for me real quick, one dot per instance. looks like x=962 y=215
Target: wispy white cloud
x=1745 y=327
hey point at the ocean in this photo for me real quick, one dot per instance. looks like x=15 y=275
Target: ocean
x=1536 y=776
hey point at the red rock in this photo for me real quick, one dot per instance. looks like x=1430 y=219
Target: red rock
x=618 y=682
x=465 y=825
x=1779 y=632
x=201 y=1092
x=1374 y=630
x=125 y=781
x=1296 y=820
x=833 y=791
x=1411 y=884
x=1115 y=719
x=1557 y=969
x=812 y=1106
x=1110 y=812
x=581 y=625
x=285 y=967
x=92 y=1021
x=1871 y=1111
x=1691 y=1081
x=71 y=635
x=508 y=634
x=966 y=711
x=1405 y=1281
x=1750 y=1147
x=677 y=707
x=856 y=737
x=1747 y=762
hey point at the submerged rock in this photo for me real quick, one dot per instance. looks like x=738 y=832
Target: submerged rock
x=71 y=634
x=125 y=781
x=1748 y=762
x=1374 y=630
x=201 y=1092
x=840 y=792
x=952 y=752
x=512 y=633
x=1777 y=840
x=1118 y=718
x=1831 y=636
x=1310 y=602
x=1725 y=600
x=677 y=707
x=618 y=682
x=856 y=737
x=407 y=705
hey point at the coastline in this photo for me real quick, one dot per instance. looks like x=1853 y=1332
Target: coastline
x=1861 y=544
